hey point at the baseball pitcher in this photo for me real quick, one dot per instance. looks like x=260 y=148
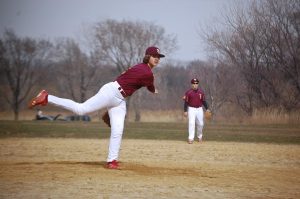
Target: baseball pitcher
x=112 y=97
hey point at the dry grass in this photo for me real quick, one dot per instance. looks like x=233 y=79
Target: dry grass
x=277 y=116
x=159 y=116
x=30 y=114
x=146 y=115
x=264 y=116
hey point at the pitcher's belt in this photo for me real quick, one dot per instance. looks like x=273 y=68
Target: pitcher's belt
x=122 y=92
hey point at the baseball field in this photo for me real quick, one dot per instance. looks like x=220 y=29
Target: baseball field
x=66 y=160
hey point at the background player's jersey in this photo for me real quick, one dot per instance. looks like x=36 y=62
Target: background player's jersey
x=194 y=98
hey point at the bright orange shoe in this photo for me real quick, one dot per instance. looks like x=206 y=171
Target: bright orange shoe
x=40 y=99
x=113 y=165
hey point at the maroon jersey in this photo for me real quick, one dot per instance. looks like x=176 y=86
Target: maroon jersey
x=194 y=98
x=136 y=77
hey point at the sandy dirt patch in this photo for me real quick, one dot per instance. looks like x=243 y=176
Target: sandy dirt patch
x=74 y=168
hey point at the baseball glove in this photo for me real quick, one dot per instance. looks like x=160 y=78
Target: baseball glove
x=106 y=118
x=208 y=115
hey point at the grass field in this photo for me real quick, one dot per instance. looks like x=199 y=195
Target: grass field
x=280 y=133
x=66 y=160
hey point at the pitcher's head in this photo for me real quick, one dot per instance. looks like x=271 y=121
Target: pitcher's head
x=152 y=56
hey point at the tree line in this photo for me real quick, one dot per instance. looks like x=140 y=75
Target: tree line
x=254 y=62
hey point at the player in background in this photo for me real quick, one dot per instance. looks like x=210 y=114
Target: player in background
x=112 y=97
x=194 y=100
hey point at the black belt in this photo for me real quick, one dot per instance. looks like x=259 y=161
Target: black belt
x=195 y=106
x=122 y=92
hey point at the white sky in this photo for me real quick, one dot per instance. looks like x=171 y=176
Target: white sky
x=65 y=18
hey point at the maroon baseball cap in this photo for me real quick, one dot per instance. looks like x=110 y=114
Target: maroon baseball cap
x=154 y=51
x=195 y=81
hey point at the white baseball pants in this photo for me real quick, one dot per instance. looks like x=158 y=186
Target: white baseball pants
x=107 y=97
x=195 y=120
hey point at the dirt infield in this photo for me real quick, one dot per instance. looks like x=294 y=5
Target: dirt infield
x=73 y=168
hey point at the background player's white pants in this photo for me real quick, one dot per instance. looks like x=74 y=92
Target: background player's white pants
x=195 y=119
x=107 y=97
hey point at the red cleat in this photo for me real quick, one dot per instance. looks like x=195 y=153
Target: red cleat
x=112 y=165
x=40 y=99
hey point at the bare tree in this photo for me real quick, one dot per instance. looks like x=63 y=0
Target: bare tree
x=19 y=60
x=75 y=69
x=260 y=41
x=283 y=21
x=123 y=44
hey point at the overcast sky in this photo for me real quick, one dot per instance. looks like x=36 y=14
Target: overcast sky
x=65 y=18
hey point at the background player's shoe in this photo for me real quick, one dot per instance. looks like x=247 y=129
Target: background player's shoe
x=190 y=141
x=40 y=99
x=112 y=165
x=200 y=140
